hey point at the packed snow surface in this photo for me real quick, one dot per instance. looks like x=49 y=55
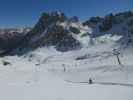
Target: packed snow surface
x=46 y=74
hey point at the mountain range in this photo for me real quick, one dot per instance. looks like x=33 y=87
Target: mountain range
x=65 y=34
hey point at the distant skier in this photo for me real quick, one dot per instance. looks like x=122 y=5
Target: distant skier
x=64 y=67
x=90 y=81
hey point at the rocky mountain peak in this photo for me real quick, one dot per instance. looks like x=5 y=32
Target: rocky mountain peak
x=64 y=33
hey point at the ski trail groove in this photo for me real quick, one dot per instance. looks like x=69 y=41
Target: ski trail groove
x=101 y=83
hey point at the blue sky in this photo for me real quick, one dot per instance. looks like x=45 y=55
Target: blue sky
x=19 y=13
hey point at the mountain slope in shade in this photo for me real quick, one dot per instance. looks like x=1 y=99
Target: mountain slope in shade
x=10 y=38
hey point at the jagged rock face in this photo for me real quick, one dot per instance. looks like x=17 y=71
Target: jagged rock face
x=46 y=20
x=120 y=25
x=48 y=32
x=106 y=23
x=130 y=24
x=68 y=43
x=93 y=21
x=130 y=30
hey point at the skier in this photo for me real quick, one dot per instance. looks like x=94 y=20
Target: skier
x=90 y=81
x=64 y=68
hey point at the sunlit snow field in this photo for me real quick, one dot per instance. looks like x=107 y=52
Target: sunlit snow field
x=46 y=74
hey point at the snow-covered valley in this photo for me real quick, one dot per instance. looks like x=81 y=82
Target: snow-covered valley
x=48 y=74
